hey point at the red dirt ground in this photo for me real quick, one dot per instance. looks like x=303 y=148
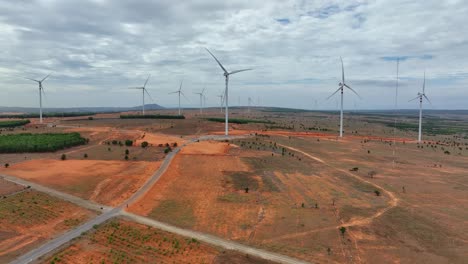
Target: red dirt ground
x=29 y=218
x=107 y=182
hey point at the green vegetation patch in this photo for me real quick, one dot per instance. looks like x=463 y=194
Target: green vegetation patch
x=48 y=142
x=152 y=116
x=238 y=120
x=13 y=123
x=176 y=212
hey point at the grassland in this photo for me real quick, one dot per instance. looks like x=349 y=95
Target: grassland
x=27 y=142
x=13 y=123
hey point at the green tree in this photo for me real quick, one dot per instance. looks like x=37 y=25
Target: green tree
x=144 y=144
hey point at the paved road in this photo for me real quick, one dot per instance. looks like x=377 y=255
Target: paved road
x=64 y=196
x=213 y=240
x=110 y=212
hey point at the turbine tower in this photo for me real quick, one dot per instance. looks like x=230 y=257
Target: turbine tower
x=180 y=93
x=143 y=90
x=249 y=103
x=41 y=91
x=341 y=87
x=201 y=100
x=420 y=97
x=221 y=99
x=226 y=94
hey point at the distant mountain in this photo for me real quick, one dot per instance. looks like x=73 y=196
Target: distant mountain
x=78 y=109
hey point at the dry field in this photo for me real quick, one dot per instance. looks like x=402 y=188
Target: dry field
x=28 y=218
x=289 y=207
x=106 y=182
x=121 y=241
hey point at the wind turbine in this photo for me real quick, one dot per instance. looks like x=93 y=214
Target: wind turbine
x=249 y=102
x=420 y=97
x=226 y=94
x=341 y=87
x=201 y=100
x=179 y=92
x=221 y=99
x=143 y=90
x=41 y=91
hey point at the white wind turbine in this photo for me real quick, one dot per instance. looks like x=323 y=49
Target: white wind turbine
x=41 y=91
x=420 y=97
x=180 y=93
x=143 y=90
x=221 y=99
x=201 y=99
x=341 y=87
x=226 y=94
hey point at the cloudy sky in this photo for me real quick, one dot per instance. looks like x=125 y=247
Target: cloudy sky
x=95 y=49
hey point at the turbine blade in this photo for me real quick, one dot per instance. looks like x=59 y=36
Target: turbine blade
x=184 y=96
x=144 y=85
x=173 y=92
x=135 y=88
x=180 y=87
x=146 y=91
x=31 y=79
x=239 y=71
x=353 y=91
x=424 y=82
x=219 y=63
x=427 y=99
x=45 y=77
x=342 y=70
x=333 y=93
x=417 y=97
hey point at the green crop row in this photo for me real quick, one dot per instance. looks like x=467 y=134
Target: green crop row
x=26 y=142
x=14 y=123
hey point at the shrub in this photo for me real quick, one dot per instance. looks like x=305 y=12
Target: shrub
x=7 y=165
x=128 y=143
x=343 y=230
x=13 y=123
x=63 y=157
x=127 y=152
x=377 y=192
x=167 y=150
x=90 y=118
x=144 y=144
x=126 y=157
x=354 y=169
x=85 y=156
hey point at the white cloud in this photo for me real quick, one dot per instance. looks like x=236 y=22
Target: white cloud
x=101 y=47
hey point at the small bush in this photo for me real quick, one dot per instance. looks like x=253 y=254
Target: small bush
x=126 y=157
x=128 y=143
x=377 y=192
x=63 y=157
x=85 y=156
x=127 y=152
x=7 y=165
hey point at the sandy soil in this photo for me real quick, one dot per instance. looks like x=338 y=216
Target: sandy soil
x=107 y=182
x=156 y=139
x=31 y=218
x=7 y=188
